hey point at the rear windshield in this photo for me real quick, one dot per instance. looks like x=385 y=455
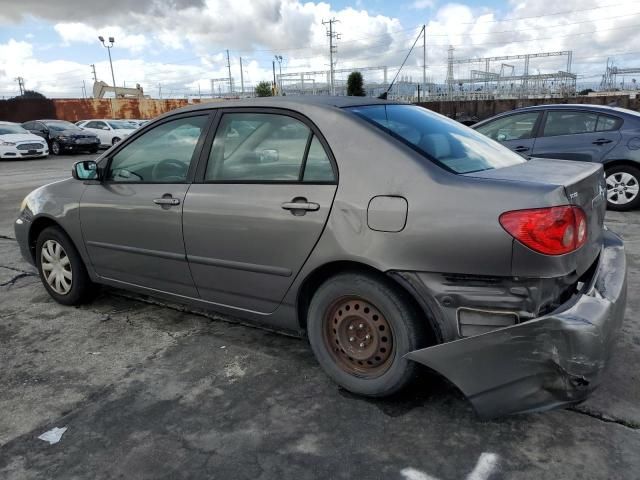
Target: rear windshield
x=444 y=141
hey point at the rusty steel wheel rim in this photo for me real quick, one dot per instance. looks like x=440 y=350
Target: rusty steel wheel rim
x=358 y=337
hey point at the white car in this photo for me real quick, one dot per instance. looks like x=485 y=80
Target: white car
x=109 y=132
x=16 y=142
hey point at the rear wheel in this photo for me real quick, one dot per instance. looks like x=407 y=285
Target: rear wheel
x=623 y=187
x=360 y=327
x=61 y=268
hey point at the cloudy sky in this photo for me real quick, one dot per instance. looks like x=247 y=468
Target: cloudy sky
x=181 y=44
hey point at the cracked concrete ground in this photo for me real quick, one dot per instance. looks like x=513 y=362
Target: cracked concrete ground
x=149 y=390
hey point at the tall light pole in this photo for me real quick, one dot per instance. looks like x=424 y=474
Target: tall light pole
x=109 y=47
x=279 y=60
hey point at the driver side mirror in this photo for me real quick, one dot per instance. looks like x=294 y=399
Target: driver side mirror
x=85 y=170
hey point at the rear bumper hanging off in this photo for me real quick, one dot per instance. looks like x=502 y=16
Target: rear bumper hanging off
x=546 y=362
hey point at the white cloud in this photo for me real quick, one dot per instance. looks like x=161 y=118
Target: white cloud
x=422 y=4
x=81 y=33
x=257 y=29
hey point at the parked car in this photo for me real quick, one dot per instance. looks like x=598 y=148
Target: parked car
x=589 y=133
x=16 y=142
x=109 y=132
x=137 y=123
x=387 y=234
x=63 y=136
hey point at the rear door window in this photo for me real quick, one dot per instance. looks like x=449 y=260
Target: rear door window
x=266 y=147
x=569 y=123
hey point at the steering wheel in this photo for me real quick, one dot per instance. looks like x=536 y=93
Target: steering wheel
x=169 y=170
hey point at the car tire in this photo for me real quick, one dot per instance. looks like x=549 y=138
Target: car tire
x=623 y=187
x=359 y=328
x=114 y=140
x=56 y=256
x=56 y=148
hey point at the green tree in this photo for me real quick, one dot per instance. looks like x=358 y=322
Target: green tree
x=263 y=89
x=586 y=91
x=31 y=94
x=355 y=85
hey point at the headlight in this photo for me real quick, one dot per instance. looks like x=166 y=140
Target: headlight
x=64 y=139
x=7 y=144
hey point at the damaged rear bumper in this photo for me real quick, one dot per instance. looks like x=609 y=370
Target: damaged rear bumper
x=553 y=360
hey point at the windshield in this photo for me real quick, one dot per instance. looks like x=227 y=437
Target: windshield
x=10 y=129
x=442 y=140
x=61 y=126
x=120 y=124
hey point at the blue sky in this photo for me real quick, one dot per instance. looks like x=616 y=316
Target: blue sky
x=181 y=44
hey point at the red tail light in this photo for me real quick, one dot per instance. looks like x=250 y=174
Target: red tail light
x=552 y=231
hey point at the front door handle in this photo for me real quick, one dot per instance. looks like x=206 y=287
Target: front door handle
x=521 y=149
x=602 y=141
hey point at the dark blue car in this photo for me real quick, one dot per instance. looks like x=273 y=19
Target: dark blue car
x=590 y=133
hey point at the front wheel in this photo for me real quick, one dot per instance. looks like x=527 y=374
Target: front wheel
x=360 y=327
x=61 y=268
x=115 y=140
x=56 y=149
x=623 y=187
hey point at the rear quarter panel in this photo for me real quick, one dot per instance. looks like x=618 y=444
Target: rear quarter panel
x=452 y=223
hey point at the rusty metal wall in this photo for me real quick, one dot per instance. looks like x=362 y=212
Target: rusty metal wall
x=22 y=110
x=480 y=109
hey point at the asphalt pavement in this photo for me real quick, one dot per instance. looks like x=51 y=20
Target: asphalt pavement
x=147 y=389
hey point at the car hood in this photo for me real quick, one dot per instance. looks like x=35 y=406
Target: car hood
x=74 y=133
x=21 y=137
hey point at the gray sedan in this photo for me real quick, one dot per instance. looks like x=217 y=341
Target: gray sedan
x=390 y=236
x=589 y=133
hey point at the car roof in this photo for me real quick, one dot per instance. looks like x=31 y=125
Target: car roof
x=572 y=106
x=291 y=102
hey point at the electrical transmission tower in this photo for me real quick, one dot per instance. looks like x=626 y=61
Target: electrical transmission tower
x=333 y=50
x=20 y=81
x=93 y=69
x=230 y=78
x=450 y=70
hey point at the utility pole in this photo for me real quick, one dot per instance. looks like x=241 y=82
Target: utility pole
x=332 y=50
x=241 y=78
x=20 y=81
x=273 y=64
x=109 y=47
x=160 y=91
x=424 y=55
x=230 y=81
x=279 y=60
x=95 y=77
x=84 y=89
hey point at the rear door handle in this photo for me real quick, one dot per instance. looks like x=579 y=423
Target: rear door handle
x=521 y=149
x=166 y=201
x=308 y=206
x=602 y=141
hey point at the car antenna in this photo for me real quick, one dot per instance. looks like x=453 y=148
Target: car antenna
x=384 y=95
